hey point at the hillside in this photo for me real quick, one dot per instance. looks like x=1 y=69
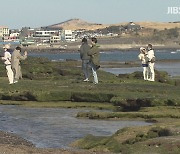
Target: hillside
x=75 y=24
x=159 y=25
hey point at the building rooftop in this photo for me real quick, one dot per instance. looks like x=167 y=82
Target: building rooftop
x=3 y=26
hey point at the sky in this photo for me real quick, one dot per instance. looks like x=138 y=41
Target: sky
x=38 y=13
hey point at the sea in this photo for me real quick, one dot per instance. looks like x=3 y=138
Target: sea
x=171 y=60
x=122 y=56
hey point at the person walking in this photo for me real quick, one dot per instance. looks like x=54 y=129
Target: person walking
x=144 y=60
x=7 y=62
x=151 y=62
x=84 y=49
x=16 y=57
x=94 y=58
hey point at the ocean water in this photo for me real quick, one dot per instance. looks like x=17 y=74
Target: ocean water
x=110 y=56
x=173 y=68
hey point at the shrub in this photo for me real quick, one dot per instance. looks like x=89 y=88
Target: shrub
x=91 y=97
x=131 y=104
x=158 y=132
x=54 y=96
x=24 y=96
x=152 y=133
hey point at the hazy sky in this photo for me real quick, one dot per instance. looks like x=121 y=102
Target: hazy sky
x=37 y=13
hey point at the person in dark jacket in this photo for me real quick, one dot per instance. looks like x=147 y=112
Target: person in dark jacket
x=84 y=49
x=94 y=58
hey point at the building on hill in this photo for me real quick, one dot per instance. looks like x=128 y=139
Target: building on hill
x=55 y=39
x=4 y=31
x=68 y=35
x=131 y=26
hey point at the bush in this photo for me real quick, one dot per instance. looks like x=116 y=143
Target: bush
x=158 y=132
x=160 y=76
x=131 y=104
x=135 y=75
x=24 y=96
x=177 y=82
x=152 y=133
x=136 y=104
x=91 y=97
x=172 y=102
x=53 y=96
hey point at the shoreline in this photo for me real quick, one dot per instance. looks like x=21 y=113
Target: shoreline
x=107 y=48
x=11 y=143
x=103 y=48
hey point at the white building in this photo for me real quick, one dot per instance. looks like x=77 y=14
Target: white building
x=68 y=35
x=42 y=33
x=4 y=31
x=14 y=35
x=55 y=39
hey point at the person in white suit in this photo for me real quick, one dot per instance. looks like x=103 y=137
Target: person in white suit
x=151 y=62
x=144 y=60
x=7 y=62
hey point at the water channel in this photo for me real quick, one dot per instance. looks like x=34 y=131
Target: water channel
x=55 y=127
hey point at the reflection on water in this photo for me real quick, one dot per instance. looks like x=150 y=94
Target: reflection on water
x=52 y=128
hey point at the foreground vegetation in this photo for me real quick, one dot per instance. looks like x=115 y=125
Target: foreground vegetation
x=159 y=138
x=60 y=84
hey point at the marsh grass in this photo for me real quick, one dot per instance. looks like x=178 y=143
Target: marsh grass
x=64 y=104
x=136 y=140
x=144 y=113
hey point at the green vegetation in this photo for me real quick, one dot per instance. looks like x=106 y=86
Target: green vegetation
x=147 y=113
x=60 y=84
x=63 y=104
x=168 y=33
x=157 y=139
x=62 y=81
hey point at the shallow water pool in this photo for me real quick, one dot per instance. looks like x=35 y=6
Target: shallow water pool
x=55 y=128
